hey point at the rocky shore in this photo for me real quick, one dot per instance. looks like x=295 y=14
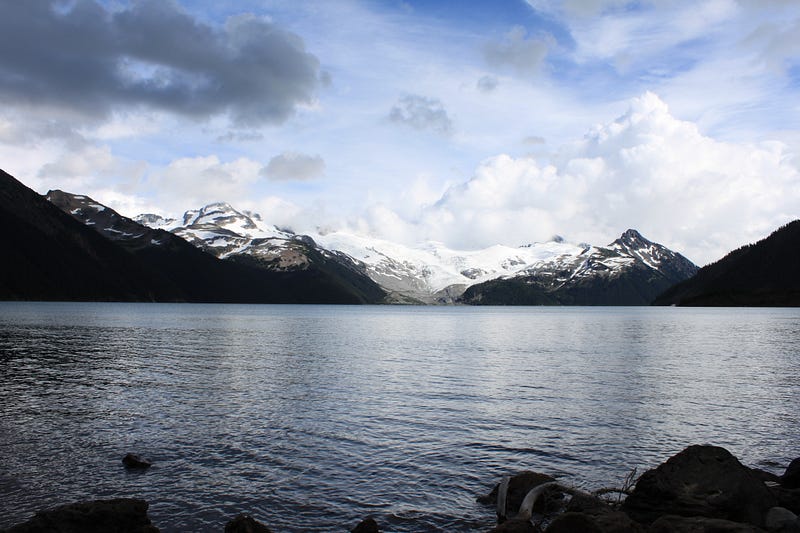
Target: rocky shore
x=703 y=489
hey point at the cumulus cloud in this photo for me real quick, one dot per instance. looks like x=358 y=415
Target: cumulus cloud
x=422 y=113
x=91 y=59
x=518 y=51
x=293 y=166
x=197 y=181
x=646 y=170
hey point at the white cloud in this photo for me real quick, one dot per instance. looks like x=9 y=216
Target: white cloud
x=293 y=166
x=422 y=113
x=196 y=181
x=521 y=53
x=646 y=170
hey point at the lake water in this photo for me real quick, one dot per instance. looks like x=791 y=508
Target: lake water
x=315 y=417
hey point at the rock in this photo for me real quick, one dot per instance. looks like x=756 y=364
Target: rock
x=572 y=522
x=121 y=515
x=765 y=476
x=135 y=462
x=368 y=525
x=704 y=481
x=608 y=519
x=515 y=526
x=781 y=519
x=791 y=478
x=518 y=486
x=246 y=524
x=699 y=524
x=788 y=498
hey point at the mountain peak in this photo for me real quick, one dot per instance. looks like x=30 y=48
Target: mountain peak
x=633 y=239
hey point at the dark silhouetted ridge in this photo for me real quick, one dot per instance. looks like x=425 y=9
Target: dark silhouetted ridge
x=766 y=273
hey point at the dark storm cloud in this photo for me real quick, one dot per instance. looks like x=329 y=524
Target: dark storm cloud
x=151 y=53
x=421 y=113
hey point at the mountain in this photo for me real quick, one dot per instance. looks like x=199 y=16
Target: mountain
x=760 y=274
x=221 y=275
x=630 y=271
x=242 y=237
x=48 y=255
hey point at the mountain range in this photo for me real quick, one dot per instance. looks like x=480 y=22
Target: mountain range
x=630 y=271
x=220 y=254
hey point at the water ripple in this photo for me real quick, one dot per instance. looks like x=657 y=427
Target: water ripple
x=312 y=418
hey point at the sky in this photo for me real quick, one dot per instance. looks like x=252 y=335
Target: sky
x=468 y=123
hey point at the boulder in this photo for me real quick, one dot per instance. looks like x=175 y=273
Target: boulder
x=606 y=518
x=788 y=498
x=121 y=515
x=518 y=486
x=246 y=524
x=136 y=462
x=699 y=524
x=368 y=525
x=791 y=478
x=700 y=481
x=515 y=526
x=572 y=522
x=781 y=519
x=765 y=476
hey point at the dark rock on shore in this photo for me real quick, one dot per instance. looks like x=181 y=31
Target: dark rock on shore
x=122 y=515
x=703 y=489
x=788 y=498
x=791 y=478
x=136 y=462
x=518 y=486
x=246 y=524
x=699 y=524
x=704 y=481
x=782 y=520
x=572 y=522
x=368 y=525
x=607 y=518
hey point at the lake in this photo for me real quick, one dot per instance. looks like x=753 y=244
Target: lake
x=311 y=418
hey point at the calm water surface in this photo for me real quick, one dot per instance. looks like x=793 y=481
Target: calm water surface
x=314 y=417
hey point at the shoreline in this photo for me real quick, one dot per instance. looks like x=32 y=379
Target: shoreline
x=702 y=488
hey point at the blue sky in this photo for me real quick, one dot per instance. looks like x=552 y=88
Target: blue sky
x=471 y=123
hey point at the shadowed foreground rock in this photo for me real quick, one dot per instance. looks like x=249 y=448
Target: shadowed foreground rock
x=122 y=515
x=518 y=486
x=703 y=489
x=699 y=524
x=791 y=478
x=702 y=481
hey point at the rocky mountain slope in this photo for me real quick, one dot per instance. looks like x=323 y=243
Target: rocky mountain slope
x=202 y=276
x=48 y=255
x=760 y=274
x=630 y=271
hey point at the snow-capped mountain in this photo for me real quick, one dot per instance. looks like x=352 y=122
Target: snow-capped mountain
x=225 y=232
x=630 y=271
x=432 y=272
